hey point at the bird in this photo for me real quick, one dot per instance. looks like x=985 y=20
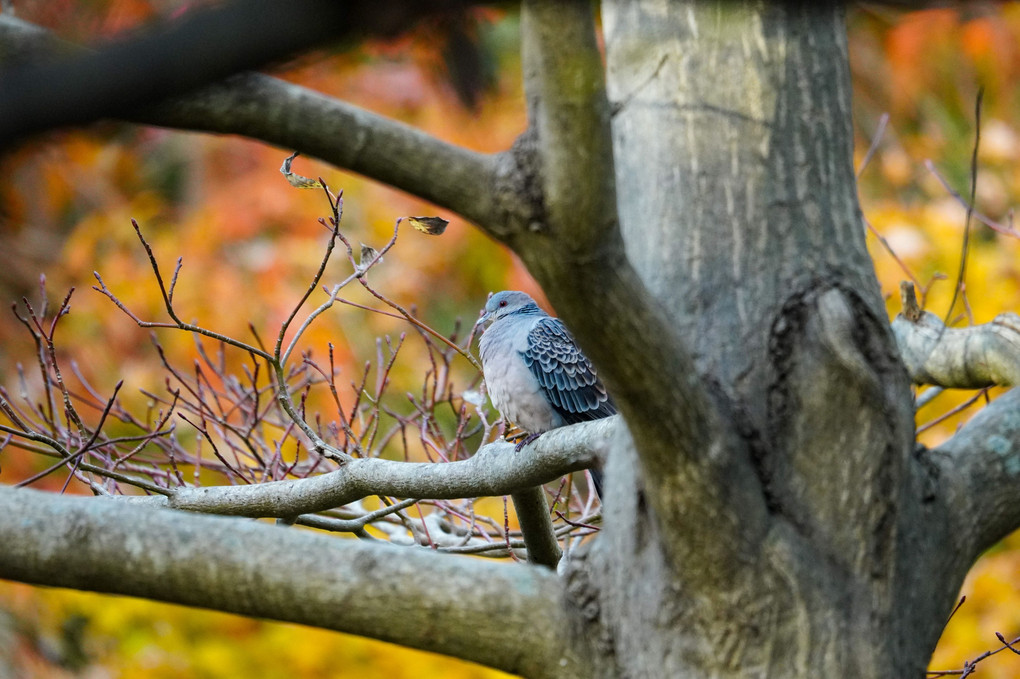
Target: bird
x=536 y=375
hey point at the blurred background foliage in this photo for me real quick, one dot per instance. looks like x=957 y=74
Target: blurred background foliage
x=251 y=242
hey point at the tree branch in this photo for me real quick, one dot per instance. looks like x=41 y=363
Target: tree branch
x=293 y=117
x=569 y=113
x=960 y=358
x=536 y=525
x=170 y=59
x=496 y=469
x=983 y=459
x=567 y=103
x=508 y=617
x=688 y=476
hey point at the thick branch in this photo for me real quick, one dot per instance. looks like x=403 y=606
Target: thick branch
x=508 y=617
x=984 y=459
x=496 y=469
x=536 y=525
x=590 y=280
x=293 y=117
x=688 y=475
x=569 y=112
x=202 y=47
x=960 y=358
x=271 y=110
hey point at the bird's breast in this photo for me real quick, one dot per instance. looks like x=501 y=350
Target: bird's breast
x=516 y=393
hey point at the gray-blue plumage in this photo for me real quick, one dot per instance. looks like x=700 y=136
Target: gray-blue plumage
x=536 y=375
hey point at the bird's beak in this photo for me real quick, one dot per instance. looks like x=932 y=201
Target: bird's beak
x=483 y=320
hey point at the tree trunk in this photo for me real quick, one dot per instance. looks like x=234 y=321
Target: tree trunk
x=768 y=512
x=737 y=201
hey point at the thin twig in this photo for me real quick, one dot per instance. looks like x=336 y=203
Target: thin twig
x=876 y=140
x=962 y=273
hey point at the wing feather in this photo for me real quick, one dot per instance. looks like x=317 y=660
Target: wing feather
x=566 y=376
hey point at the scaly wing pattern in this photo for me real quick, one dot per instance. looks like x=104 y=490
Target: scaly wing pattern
x=566 y=375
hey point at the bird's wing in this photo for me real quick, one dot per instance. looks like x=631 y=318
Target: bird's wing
x=566 y=375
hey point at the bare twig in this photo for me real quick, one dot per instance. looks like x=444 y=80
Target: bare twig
x=875 y=141
x=970 y=666
x=965 y=248
x=251 y=435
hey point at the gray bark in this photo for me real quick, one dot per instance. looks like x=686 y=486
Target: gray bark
x=496 y=469
x=438 y=602
x=768 y=511
x=737 y=202
x=962 y=358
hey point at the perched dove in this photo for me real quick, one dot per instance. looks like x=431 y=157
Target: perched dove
x=536 y=374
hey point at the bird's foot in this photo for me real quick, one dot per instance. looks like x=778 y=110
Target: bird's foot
x=525 y=441
x=516 y=436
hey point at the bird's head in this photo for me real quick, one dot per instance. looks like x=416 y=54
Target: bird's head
x=503 y=304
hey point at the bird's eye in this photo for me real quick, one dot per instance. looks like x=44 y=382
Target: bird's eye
x=502 y=302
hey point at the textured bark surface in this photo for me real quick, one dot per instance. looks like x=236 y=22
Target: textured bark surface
x=733 y=148
x=269 y=571
x=737 y=202
x=768 y=513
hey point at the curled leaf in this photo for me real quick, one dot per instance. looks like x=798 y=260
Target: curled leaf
x=433 y=226
x=297 y=180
